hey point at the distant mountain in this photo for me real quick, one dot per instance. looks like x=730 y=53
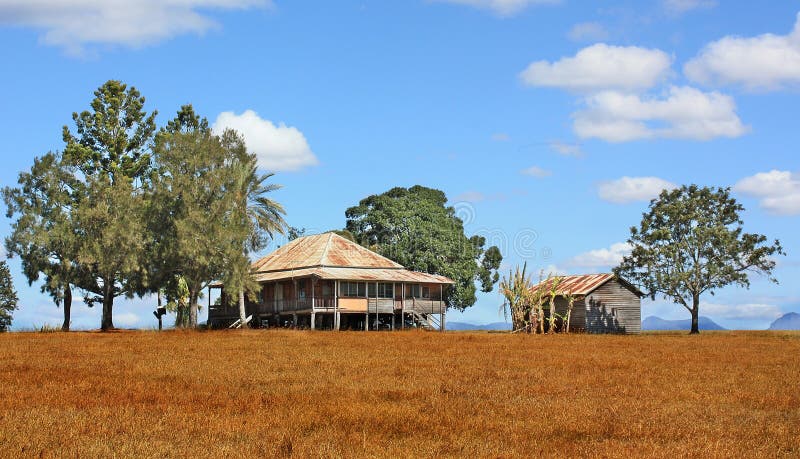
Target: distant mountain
x=657 y=323
x=460 y=326
x=788 y=321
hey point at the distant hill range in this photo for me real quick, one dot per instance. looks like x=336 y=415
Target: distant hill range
x=657 y=323
x=459 y=326
x=788 y=321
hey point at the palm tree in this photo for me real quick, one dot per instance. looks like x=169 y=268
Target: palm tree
x=260 y=218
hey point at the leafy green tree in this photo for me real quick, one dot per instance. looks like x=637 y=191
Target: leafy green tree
x=192 y=193
x=295 y=233
x=43 y=234
x=415 y=227
x=8 y=297
x=111 y=150
x=690 y=242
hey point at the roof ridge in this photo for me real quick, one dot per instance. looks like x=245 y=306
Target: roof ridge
x=324 y=256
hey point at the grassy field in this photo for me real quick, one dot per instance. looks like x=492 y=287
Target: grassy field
x=284 y=393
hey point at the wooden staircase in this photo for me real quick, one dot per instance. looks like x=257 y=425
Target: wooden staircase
x=426 y=321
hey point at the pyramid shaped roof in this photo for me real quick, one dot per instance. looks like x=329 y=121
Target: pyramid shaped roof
x=322 y=251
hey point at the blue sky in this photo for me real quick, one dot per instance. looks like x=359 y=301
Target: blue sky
x=549 y=124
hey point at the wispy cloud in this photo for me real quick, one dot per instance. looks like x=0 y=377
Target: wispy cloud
x=536 y=171
x=601 y=258
x=630 y=189
x=566 y=149
x=588 y=32
x=73 y=25
x=501 y=7
x=678 y=7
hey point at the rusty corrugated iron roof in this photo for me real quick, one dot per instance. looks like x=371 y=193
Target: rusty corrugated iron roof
x=327 y=249
x=354 y=274
x=330 y=256
x=582 y=284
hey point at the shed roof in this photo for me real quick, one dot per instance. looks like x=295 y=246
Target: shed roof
x=330 y=256
x=583 y=284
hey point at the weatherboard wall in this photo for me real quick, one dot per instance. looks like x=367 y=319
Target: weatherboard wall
x=613 y=308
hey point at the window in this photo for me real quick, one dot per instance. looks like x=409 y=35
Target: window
x=385 y=290
x=420 y=291
x=301 y=288
x=326 y=289
x=353 y=289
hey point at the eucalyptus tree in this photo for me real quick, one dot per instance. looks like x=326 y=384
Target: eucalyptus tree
x=692 y=241
x=111 y=149
x=416 y=228
x=195 y=186
x=43 y=233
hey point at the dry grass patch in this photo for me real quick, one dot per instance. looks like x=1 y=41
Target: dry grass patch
x=287 y=393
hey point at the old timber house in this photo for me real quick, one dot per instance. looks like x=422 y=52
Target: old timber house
x=602 y=303
x=328 y=282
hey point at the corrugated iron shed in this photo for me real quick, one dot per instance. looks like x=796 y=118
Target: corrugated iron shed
x=583 y=284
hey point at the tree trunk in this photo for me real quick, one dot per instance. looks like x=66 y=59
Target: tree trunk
x=695 y=315
x=67 y=308
x=242 y=312
x=107 y=322
x=193 y=308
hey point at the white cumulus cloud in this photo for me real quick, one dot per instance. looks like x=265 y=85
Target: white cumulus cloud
x=631 y=189
x=765 y=62
x=278 y=147
x=501 y=7
x=602 y=67
x=682 y=113
x=74 y=24
x=602 y=258
x=778 y=191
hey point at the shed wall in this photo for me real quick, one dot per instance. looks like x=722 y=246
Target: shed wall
x=612 y=308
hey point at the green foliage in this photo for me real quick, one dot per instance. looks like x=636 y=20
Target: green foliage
x=111 y=150
x=690 y=242
x=192 y=204
x=294 y=233
x=43 y=235
x=415 y=227
x=114 y=137
x=8 y=297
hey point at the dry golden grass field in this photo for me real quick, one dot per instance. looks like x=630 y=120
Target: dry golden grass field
x=401 y=394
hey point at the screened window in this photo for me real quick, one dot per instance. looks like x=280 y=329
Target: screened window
x=353 y=289
x=420 y=291
x=385 y=290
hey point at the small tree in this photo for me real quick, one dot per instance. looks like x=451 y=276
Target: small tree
x=8 y=297
x=570 y=298
x=551 y=300
x=690 y=242
x=43 y=234
x=517 y=290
